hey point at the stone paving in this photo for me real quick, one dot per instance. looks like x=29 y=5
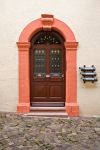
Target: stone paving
x=19 y=132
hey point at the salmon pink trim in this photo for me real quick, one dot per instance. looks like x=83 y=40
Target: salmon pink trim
x=72 y=107
x=47 y=22
x=24 y=88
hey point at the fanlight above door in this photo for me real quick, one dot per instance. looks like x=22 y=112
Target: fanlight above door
x=50 y=37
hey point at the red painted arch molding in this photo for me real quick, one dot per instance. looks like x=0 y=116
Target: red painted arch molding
x=47 y=22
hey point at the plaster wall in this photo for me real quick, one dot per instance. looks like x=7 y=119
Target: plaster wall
x=82 y=16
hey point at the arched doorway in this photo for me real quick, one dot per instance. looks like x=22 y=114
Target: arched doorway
x=48 y=23
x=47 y=69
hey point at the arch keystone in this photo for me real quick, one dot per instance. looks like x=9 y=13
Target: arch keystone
x=47 y=21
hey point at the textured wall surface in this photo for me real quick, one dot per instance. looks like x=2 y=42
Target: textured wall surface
x=82 y=16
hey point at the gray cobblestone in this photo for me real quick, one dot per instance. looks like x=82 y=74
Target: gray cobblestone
x=19 y=132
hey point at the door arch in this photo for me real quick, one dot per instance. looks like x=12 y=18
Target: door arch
x=47 y=23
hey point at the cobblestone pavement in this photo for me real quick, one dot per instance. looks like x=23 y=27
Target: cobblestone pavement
x=18 y=132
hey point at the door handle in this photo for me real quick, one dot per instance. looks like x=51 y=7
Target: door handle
x=62 y=75
x=47 y=76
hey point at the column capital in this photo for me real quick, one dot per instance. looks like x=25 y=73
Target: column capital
x=23 y=46
x=71 y=45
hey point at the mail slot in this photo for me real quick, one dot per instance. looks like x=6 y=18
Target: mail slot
x=85 y=68
x=88 y=73
x=89 y=79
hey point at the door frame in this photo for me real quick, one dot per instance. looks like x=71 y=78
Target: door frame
x=47 y=23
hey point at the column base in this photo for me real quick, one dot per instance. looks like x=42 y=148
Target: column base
x=23 y=108
x=72 y=109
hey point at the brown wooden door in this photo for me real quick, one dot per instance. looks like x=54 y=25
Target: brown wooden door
x=47 y=74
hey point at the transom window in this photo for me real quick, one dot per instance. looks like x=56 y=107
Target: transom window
x=50 y=37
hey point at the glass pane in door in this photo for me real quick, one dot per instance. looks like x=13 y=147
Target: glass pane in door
x=39 y=62
x=55 y=62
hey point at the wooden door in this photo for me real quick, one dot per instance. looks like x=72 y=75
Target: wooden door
x=47 y=72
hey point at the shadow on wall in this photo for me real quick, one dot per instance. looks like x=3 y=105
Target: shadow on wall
x=89 y=84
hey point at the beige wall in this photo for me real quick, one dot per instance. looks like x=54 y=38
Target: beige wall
x=83 y=17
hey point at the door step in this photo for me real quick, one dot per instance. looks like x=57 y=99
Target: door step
x=47 y=108
x=48 y=114
x=48 y=111
x=48 y=104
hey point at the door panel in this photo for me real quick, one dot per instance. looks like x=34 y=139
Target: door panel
x=39 y=90
x=56 y=91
